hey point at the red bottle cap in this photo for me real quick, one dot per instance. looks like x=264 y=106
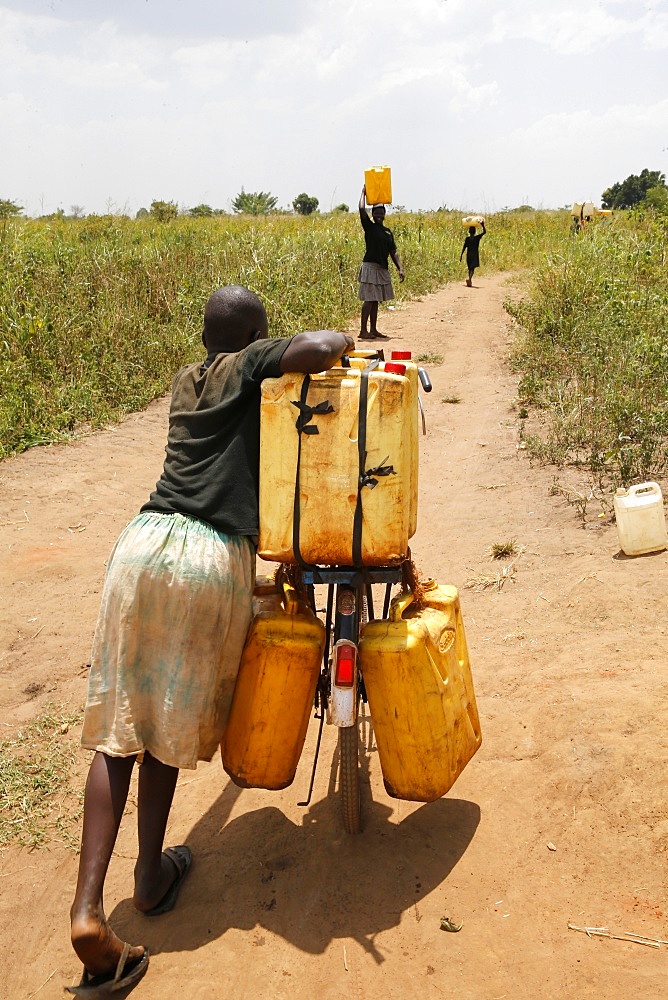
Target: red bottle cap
x=401 y=355
x=396 y=369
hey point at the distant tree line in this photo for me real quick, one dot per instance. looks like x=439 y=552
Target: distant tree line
x=649 y=186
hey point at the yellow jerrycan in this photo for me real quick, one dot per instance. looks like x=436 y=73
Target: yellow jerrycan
x=275 y=689
x=378 y=184
x=324 y=491
x=418 y=681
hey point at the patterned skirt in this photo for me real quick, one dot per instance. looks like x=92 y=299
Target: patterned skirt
x=175 y=611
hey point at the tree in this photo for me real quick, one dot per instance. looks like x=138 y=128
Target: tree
x=77 y=212
x=164 y=211
x=254 y=202
x=657 y=198
x=201 y=211
x=630 y=192
x=8 y=208
x=142 y=213
x=341 y=208
x=305 y=204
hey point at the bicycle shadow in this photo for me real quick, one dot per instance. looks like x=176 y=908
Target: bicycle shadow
x=308 y=883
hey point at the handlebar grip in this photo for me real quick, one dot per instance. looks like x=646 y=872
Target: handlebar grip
x=424 y=379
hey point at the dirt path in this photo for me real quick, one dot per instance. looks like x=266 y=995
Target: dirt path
x=561 y=817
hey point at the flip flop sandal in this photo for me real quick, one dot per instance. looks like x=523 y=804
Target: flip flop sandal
x=98 y=987
x=181 y=857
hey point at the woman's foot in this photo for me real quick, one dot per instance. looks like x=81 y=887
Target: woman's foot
x=161 y=897
x=98 y=947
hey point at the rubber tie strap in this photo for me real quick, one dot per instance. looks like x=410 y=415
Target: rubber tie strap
x=306 y=413
x=366 y=479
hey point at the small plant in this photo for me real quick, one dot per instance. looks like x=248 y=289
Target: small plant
x=451 y=399
x=37 y=803
x=429 y=359
x=482 y=581
x=504 y=550
x=581 y=498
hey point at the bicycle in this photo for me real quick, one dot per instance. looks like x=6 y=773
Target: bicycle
x=340 y=692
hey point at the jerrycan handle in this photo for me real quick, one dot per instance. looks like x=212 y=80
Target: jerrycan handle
x=645 y=488
x=290 y=599
x=399 y=605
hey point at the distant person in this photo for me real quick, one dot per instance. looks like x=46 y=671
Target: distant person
x=375 y=283
x=472 y=249
x=174 y=614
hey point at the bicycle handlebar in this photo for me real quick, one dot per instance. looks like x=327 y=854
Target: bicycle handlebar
x=425 y=380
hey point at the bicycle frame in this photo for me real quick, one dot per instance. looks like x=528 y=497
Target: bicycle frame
x=349 y=603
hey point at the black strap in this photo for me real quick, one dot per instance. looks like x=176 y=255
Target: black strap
x=364 y=475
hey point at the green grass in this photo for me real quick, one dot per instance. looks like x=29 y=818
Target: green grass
x=37 y=802
x=429 y=359
x=592 y=352
x=97 y=314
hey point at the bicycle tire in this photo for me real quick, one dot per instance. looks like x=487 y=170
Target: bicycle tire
x=349 y=779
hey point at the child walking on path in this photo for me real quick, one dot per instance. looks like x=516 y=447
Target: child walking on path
x=173 y=619
x=471 y=247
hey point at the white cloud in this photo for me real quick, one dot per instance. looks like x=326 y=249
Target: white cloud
x=468 y=101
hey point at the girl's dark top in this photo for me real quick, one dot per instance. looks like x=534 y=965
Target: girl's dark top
x=379 y=241
x=213 y=445
x=472 y=247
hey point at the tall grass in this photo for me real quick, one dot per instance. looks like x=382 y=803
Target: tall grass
x=593 y=351
x=97 y=314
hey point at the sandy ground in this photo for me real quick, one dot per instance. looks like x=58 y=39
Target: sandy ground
x=561 y=816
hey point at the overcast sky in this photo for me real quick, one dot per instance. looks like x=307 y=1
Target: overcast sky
x=475 y=104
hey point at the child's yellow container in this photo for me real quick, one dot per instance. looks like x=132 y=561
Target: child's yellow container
x=472 y=220
x=329 y=469
x=418 y=681
x=275 y=690
x=378 y=183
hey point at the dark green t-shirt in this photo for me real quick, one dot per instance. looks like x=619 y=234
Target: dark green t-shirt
x=213 y=446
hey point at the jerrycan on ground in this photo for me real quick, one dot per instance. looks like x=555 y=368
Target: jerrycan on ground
x=275 y=689
x=418 y=681
x=641 y=522
x=378 y=184
x=311 y=484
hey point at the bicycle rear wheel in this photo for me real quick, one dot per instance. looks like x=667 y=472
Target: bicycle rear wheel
x=349 y=779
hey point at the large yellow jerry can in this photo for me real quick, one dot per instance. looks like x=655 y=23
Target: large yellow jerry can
x=418 y=681
x=275 y=689
x=329 y=469
x=378 y=184
x=361 y=358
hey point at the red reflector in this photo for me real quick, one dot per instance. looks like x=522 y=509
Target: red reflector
x=391 y=366
x=344 y=674
x=401 y=355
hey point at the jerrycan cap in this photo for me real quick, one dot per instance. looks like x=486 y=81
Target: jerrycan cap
x=396 y=369
x=621 y=492
x=429 y=584
x=401 y=355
